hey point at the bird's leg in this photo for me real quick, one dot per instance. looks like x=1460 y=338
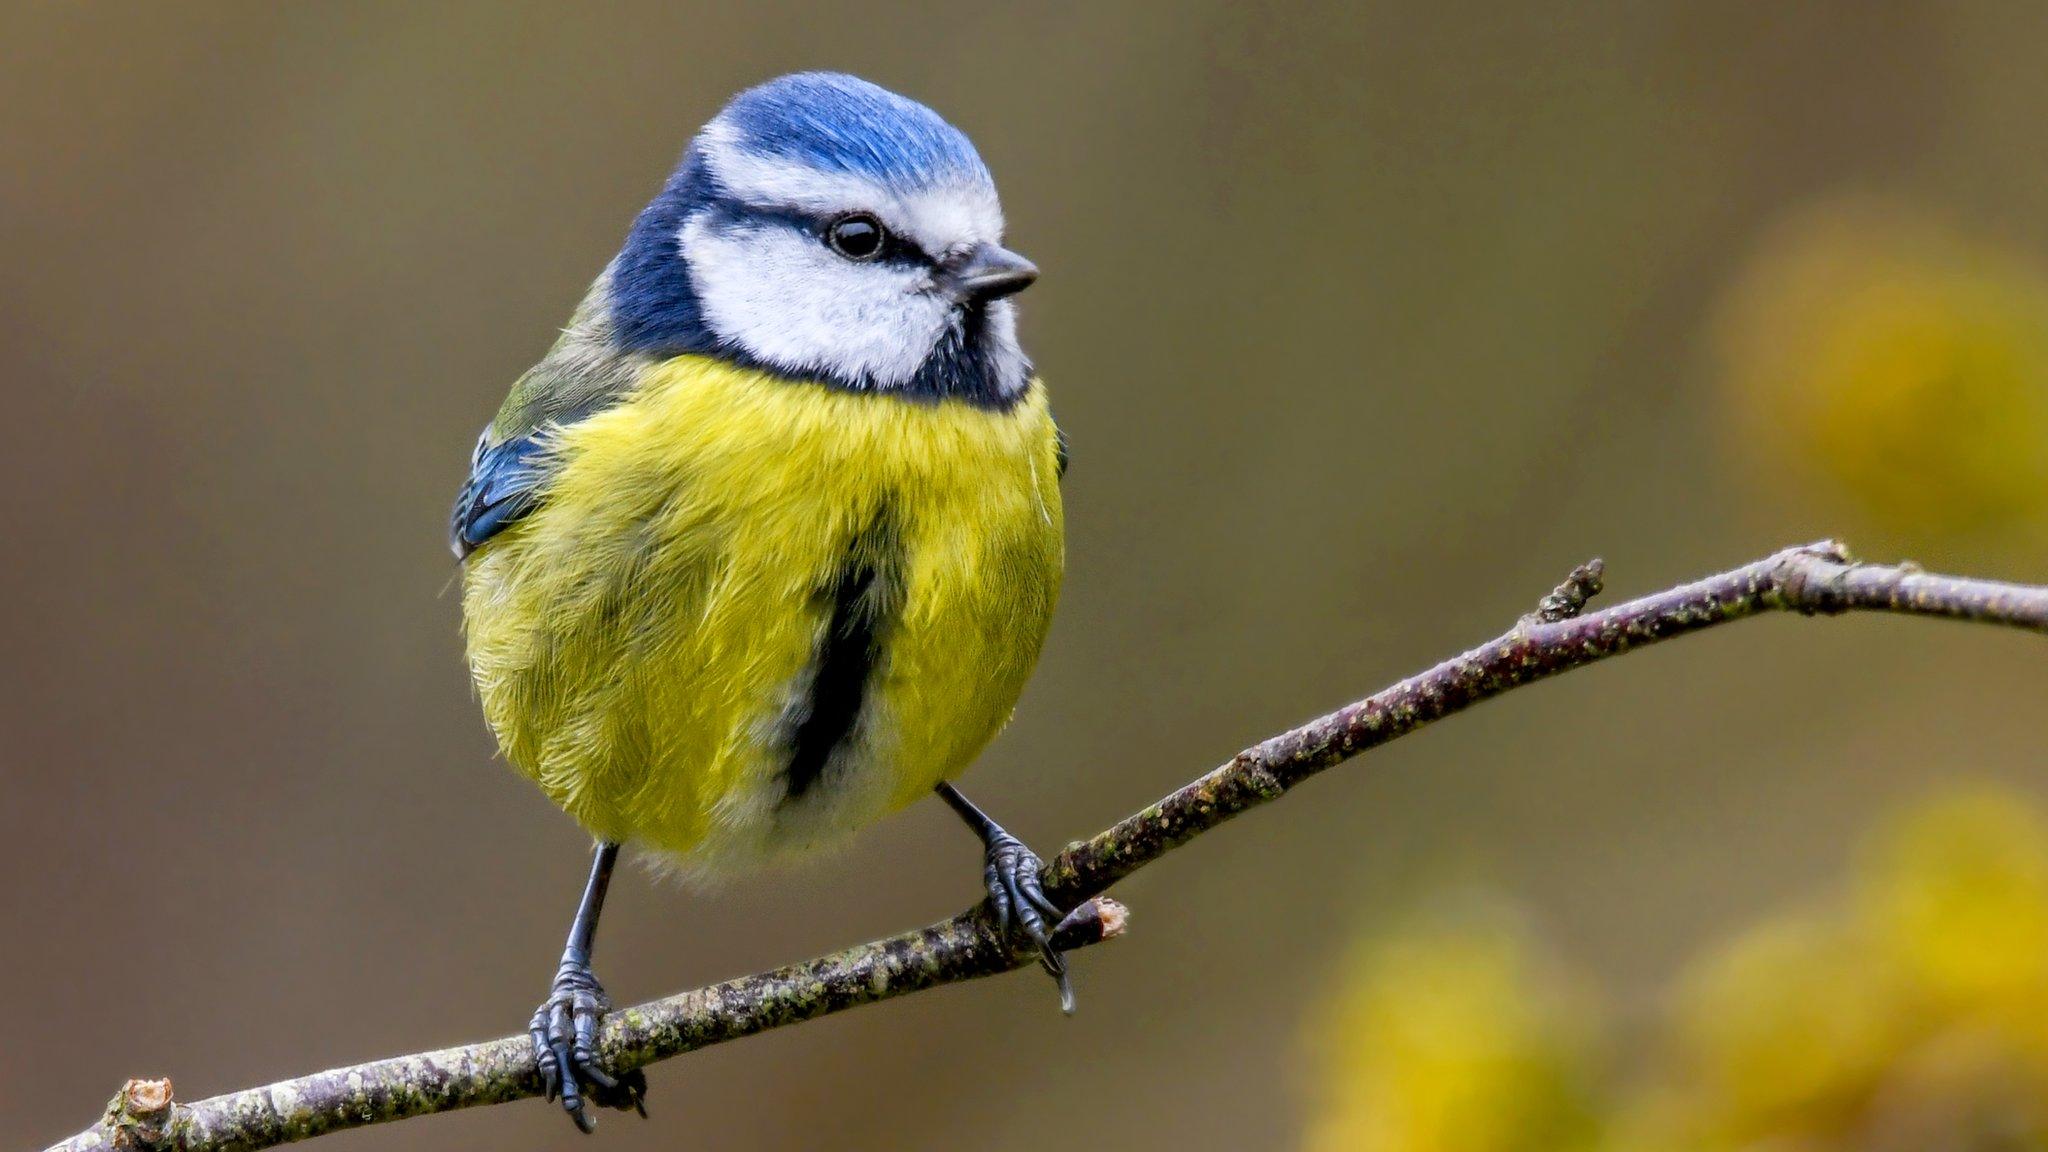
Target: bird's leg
x=564 y=1029
x=1014 y=889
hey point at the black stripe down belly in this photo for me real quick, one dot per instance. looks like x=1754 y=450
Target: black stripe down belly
x=859 y=603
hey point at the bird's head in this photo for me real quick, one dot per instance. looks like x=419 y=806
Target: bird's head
x=826 y=229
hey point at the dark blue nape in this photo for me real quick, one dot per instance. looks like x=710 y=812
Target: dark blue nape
x=654 y=308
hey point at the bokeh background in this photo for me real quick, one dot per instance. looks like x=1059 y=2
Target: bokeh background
x=1366 y=321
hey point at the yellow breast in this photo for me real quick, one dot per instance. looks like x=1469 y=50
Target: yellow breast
x=750 y=613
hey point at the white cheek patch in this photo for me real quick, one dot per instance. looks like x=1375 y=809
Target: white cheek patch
x=793 y=303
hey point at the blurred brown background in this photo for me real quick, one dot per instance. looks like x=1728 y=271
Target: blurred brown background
x=1366 y=321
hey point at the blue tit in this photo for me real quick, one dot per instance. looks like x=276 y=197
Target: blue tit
x=766 y=545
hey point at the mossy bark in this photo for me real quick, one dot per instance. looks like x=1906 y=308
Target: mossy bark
x=1819 y=579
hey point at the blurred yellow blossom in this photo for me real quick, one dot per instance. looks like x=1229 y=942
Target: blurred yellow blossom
x=1783 y=1030
x=1453 y=1036
x=1911 y=1015
x=1915 y=1007
x=1958 y=894
x=1874 y=357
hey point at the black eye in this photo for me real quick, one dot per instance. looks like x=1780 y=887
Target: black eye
x=856 y=237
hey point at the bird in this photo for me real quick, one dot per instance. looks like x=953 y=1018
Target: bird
x=766 y=545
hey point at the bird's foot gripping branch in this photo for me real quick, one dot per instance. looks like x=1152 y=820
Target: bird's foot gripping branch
x=1819 y=579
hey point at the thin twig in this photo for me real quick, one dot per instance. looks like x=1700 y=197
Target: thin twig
x=1819 y=579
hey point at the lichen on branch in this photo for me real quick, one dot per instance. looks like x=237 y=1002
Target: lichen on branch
x=1818 y=579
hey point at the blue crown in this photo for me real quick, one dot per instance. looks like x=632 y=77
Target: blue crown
x=833 y=122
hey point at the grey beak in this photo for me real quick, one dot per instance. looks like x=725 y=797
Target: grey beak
x=986 y=272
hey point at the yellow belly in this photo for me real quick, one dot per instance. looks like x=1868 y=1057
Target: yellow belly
x=647 y=642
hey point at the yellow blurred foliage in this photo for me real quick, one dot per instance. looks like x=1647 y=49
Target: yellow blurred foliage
x=1783 y=1029
x=1958 y=895
x=1453 y=1037
x=1912 y=1014
x=1874 y=358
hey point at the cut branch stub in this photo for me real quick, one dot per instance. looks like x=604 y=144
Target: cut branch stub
x=1559 y=636
x=139 y=1116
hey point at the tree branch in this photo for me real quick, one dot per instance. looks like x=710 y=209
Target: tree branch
x=1819 y=579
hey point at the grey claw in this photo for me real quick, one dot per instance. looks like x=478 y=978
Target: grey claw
x=544 y=1056
x=1066 y=982
x=564 y=1034
x=586 y=1063
x=1037 y=897
x=998 y=897
x=1016 y=895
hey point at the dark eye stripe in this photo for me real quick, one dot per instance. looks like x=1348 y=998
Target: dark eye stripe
x=896 y=248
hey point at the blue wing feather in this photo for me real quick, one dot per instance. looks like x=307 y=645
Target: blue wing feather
x=503 y=485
